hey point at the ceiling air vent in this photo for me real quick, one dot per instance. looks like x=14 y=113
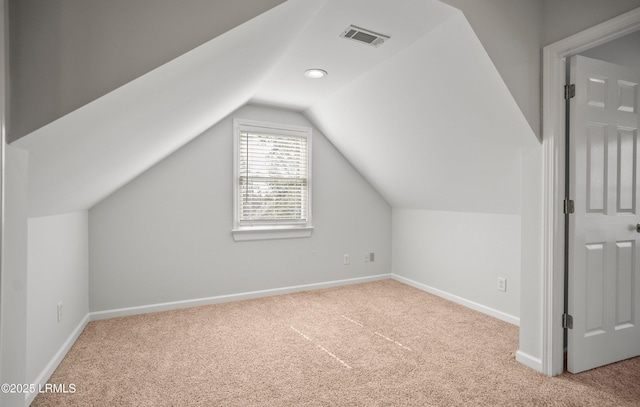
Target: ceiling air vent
x=364 y=36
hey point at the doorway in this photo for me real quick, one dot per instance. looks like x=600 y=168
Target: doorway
x=555 y=59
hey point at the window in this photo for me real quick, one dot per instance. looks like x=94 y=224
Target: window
x=272 y=181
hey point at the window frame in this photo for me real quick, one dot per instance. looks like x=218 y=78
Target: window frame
x=278 y=229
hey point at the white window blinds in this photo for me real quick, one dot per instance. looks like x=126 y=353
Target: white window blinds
x=273 y=174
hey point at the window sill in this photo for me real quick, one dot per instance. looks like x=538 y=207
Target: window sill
x=264 y=233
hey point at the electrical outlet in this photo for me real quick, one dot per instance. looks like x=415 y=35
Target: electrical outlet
x=372 y=257
x=60 y=312
x=366 y=257
x=347 y=260
x=502 y=284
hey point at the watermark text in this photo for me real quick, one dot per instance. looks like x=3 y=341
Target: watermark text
x=24 y=388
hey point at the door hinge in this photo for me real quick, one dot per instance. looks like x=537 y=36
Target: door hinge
x=567 y=321
x=569 y=91
x=569 y=206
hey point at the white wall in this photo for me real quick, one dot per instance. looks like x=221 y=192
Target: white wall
x=461 y=255
x=531 y=279
x=13 y=328
x=166 y=236
x=58 y=270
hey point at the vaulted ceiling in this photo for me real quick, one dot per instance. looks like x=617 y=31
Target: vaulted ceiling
x=425 y=117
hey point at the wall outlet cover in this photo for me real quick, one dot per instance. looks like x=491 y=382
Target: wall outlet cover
x=60 y=312
x=502 y=284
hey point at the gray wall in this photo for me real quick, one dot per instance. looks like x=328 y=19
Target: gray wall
x=624 y=51
x=461 y=255
x=66 y=53
x=510 y=33
x=513 y=33
x=58 y=270
x=563 y=18
x=13 y=248
x=13 y=329
x=166 y=236
x=3 y=110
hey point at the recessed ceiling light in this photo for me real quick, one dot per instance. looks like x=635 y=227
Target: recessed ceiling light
x=315 y=73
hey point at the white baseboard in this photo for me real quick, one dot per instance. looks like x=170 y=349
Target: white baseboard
x=530 y=361
x=144 y=309
x=459 y=300
x=44 y=376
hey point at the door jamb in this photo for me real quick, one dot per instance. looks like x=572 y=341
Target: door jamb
x=553 y=144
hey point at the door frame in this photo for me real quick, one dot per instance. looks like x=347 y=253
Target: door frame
x=553 y=152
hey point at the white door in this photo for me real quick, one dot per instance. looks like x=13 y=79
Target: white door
x=604 y=256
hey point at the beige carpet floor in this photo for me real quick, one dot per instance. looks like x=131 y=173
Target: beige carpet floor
x=374 y=344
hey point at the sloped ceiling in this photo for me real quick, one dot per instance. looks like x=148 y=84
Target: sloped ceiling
x=425 y=117
x=434 y=127
x=67 y=53
x=81 y=158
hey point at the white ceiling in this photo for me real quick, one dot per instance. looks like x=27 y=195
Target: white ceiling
x=434 y=127
x=319 y=45
x=425 y=117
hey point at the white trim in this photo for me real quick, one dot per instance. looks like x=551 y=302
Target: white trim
x=554 y=71
x=459 y=300
x=166 y=306
x=528 y=360
x=271 y=233
x=46 y=373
